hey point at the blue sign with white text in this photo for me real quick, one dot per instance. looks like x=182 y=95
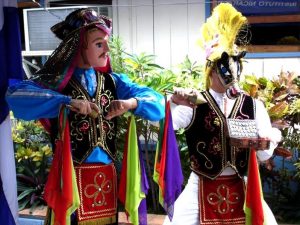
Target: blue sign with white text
x=266 y=7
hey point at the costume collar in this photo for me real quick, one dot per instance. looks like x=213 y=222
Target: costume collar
x=78 y=71
x=217 y=95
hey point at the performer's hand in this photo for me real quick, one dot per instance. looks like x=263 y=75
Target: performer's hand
x=84 y=107
x=182 y=96
x=118 y=107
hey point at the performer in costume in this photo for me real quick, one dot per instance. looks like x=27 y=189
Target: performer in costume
x=215 y=191
x=78 y=75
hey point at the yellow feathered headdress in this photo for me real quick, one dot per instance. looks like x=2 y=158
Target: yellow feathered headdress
x=221 y=32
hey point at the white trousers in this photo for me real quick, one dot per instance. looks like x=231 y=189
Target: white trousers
x=186 y=208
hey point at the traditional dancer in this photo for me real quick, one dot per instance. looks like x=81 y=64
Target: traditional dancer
x=215 y=192
x=78 y=75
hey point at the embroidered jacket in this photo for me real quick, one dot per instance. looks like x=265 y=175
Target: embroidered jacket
x=86 y=132
x=206 y=136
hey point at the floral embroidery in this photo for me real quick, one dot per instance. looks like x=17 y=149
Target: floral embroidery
x=98 y=189
x=194 y=162
x=84 y=127
x=78 y=129
x=223 y=199
x=215 y=146
x=104 y=100
x=210 y=121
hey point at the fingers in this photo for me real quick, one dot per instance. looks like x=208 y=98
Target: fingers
x=83 y=106
x=185 y=93
x=117 y=108
x=184 y=96
x=94 y=107
x=180 y=92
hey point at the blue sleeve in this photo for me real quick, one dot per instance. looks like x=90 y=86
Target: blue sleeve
x=151 y=104
x=29 y=101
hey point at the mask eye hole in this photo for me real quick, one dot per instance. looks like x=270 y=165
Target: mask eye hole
x=238 y=69
x=224 y=70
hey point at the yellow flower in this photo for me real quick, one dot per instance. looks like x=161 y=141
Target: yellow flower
x=23 y=153
x=17 y=139
x=47 y=150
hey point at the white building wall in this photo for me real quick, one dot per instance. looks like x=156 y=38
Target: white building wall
x=271 y=67
x=169 y=29
x=166 y=28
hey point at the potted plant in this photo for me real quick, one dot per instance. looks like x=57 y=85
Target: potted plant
x=33 y=156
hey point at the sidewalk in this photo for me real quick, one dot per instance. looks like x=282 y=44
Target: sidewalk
x=152 y=219
x=38 y=218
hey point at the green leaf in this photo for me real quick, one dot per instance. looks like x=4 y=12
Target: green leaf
x=23 y=204
x=155 y=66
x=183 y=149
x=251 y=80
x=281 y=97
x=33 y=207
x=25 y=193
x=22 y=186
x=263 y=81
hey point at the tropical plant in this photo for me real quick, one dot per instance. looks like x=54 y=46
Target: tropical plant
x=117 y=55
x=190 y=69
x=281 y=97
x=142 y=65
x=33 y=156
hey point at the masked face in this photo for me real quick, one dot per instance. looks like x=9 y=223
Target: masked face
x=229 y=71
x=96 y=52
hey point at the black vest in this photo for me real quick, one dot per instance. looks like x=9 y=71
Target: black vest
x=206 y=136
x=87 y=133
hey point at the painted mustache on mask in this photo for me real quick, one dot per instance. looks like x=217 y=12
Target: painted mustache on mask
x=103 y=55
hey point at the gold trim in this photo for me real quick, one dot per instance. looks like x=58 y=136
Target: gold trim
x=222 y=122
x=95 y=128
x=194 y=113
x=223 y=198
x=99 y=221
x=103 y=211
x=83 y=94
x=211 y=101
x=236 y=106
x=207 y=159
x=201 y=197
x=192 y=120
x=99 y=189
x=100 y=91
